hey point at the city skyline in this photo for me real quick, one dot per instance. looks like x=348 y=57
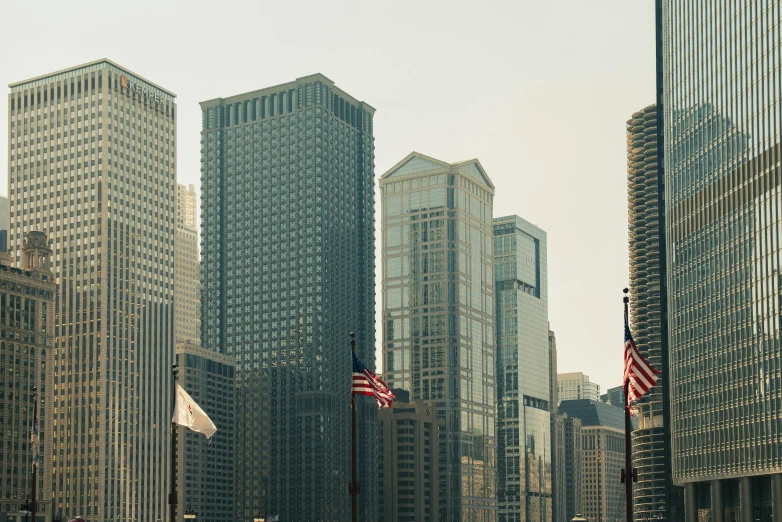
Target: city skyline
x=511 y=129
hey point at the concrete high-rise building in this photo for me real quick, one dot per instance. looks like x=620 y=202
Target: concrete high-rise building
x=654 y=496
x=524 y=392
x=569 y=467
x=576 y=385
x=410 y=460
x=26 y=342
x=92 y=162
x=602 y=459
x=438 y=315
x=3 y=224
x=205 y=468
x=187 y=268
x=288 y=272
x=723 y=142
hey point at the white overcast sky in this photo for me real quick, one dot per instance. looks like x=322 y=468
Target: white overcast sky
x=538 y=90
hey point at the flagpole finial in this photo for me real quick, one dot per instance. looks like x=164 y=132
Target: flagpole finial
x=352 y=335
x=626 y=299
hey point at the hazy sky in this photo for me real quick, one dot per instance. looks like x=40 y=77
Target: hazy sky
x=538 y=91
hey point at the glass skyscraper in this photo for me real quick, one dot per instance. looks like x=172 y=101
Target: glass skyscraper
x=287 y=180
x=438 y=316
x=524 y=392
x=723 y=207
x=92 y=163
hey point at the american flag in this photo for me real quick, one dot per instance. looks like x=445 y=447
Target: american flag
x=639 y=374
x=367 y=383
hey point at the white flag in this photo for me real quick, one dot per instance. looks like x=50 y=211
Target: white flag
x=189 y=414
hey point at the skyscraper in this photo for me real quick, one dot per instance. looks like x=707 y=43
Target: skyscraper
x=26 y=341
x=438 y=315
x=569 y=460
x=576 y=385
x=723 y=124
x=655 y=496
x=409 y=442
x=205 y=468
x=524 y=391
x=557 y=468
x=287 y=178
x=187 y=268
x=92 y=162
x=602 y=459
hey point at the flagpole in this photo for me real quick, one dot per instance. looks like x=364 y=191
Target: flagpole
x=628 y=433
x=172 y=496
x=354 y=485
x=33 y=505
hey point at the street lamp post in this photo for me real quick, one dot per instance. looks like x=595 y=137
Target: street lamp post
x=25 y=510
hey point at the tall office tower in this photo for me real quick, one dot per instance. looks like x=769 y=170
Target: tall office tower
x=26 y=342
x=569 y=446
x=524 y=448
x=438 y=315
x=205 y=468
x=602 y=458
x=655 y=496
x=614 y=396
x=576 y=385
x=723 y=130
x=3 y=224
x=409 y=442
x=287 y=177
x=187 y=268
x=92 y=153
x=555 y=427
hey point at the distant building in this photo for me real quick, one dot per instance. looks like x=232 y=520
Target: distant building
x=524 y=450
x=26 y=344
x=410 y=460
x=557 y=461
x=569 y=467
x=576 y=385
x=602 y=458
x=3 y=224
x=205 y=470
x=187 y=267
x=438 y=315
x=614 y=397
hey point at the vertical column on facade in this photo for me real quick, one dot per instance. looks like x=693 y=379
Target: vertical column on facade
x=776 y=497
x=745 y=499
x=717 y=504
x=690 y=508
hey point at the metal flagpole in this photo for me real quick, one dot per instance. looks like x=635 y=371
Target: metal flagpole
x=354 y=485
x=33 y=504
x=172 y=497
x=628 y=475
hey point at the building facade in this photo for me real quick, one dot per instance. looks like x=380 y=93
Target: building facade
x=569 y=461
x=524 y=450
x=576 y=385
x=205 y=468
x=3 y=224
x=287 y=230
x=654 y=496
x=92 y=162
x=187 y=267
x=26 y=342
x=723 y=125
x=602 y=459
x=557 y=463
x=410 y=460
x=438 y=315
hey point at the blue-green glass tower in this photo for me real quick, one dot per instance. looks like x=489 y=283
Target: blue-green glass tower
x=722 y=64
x=524 y=452
x=287 y=177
